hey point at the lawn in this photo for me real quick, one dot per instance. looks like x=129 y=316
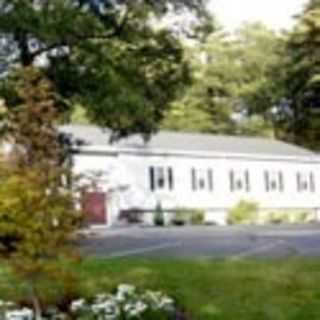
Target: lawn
x=256 y=290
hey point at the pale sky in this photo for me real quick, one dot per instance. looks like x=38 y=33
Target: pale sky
x=276 y=14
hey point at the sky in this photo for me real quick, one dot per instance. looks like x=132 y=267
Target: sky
x=276 y=14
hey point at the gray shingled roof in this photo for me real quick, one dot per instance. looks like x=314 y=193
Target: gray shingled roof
x=177 y=141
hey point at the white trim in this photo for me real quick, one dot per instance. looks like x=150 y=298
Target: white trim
x=115 y=151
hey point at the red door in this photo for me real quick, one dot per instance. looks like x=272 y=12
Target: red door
x=94 y=207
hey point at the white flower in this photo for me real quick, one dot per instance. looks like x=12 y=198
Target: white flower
x=153 y=296
x=22 y=314
x=77 y=305
x=124 y=291
x=135 y=309
x=166 y=303
x=158 y=300
x=107 y=308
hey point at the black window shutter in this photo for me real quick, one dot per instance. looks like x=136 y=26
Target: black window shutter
x=247 y=180
x=151 y=177
x=312 y=183
x=267 y=181
x=232 y=186
x=281 y=182
x=171 y=183
x=298 y=182
x=210 y=179
x=193 y=179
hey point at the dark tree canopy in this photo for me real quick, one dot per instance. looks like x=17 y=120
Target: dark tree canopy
x=303 y=79
x=108 y=56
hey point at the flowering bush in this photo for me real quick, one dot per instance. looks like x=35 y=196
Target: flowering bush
x=9 y=311
x=126 y=303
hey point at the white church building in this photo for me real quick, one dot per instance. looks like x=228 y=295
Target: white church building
x=191 y=171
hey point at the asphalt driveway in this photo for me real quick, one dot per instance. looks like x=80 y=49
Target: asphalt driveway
x=205 y=242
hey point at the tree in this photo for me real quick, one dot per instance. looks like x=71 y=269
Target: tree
x=37 y=212
x=205 y=106
x=303 y=78
x=234 y=87
x=107 y=56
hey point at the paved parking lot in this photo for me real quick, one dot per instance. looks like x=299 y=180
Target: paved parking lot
x=205 y=242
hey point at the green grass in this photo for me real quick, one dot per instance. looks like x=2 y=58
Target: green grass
x=256 y=290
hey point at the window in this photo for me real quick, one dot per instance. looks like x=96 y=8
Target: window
x=202 y=179
x=305 y=182
x=240 y=180
x=274 y=181
x=161 y=178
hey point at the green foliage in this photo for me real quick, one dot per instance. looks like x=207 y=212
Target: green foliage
x=197 y=217
x=158 y=218
x=112 y=59
x=217 y=288
x=184 y=216
x=244 y=212
x=279 y=217
x=235 y=84
x=303 y=78
x=183 y=116
x=29 y=124
x=303 y=217
x=180 y=217
x=289 y=216
x=37 y=214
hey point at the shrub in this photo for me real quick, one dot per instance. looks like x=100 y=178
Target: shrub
x=244 y=212
x=131 y=216
x=181 y=217
x=38 y=218
x=159 y=216
x=279 y=217
x=302 y=217
x=125 y=303
x=197 y=217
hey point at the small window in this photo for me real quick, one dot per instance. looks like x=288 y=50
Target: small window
x=239 y=185
x=274 y=181
x=202 y=179
x=305 y=182
x=161 y=178
x=240 y=180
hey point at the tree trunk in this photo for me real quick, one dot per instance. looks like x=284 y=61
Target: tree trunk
x=36 y=304
x=22 y=40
